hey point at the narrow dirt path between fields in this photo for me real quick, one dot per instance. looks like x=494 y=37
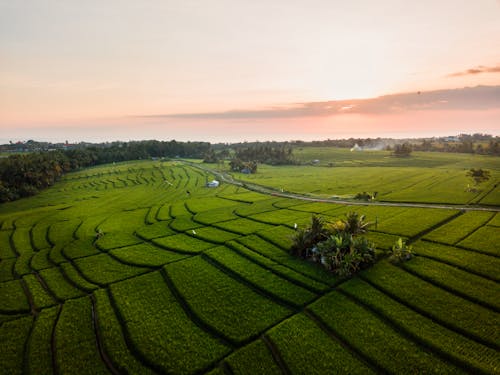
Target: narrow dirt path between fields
x=225 y=177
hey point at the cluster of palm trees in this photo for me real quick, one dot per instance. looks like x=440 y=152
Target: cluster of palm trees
x=339 y=247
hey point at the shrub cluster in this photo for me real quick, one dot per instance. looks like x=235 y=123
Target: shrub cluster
x=339 y=247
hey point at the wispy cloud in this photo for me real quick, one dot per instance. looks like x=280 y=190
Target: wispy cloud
x=477 y=70
x=469 y=98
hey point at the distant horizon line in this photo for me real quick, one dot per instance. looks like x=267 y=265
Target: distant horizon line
x=4 y=141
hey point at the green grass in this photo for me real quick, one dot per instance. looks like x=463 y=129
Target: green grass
x=495 y=221
x=41 y=297
x=76 y=278
x=466 y=317
x=469 y=285
x=485 y=239
x=40 y=260
x=164 y=212
x=280 y=256
x=256 y=207
x=6 y=250
x=102 y=269
x=282 y=271
x=264 y=279
x=414 y=221
x=280 y=236
x=216 y=215
x=204 y=204
x=183 y=223
x=145 y=255
x=58 y=285
x=183 y=243
x=22 y=266
x=114 y=342
x=39 y=234
x=21 y=241
x=242 y=226
x=13 y=298
x=306 y=349
x=423 y=177
x=376 y=339
x=111 y=241
x=314 y=207
x=483 y=265
x=6 y=267
x=383 y=240
x=160 y=330
x=79 y=249
x=179 y=209
x=254 y=358
x=75 y=338
x=213 y=235
x=438 y=338
x=60 y=233
x=223 y=303
x=39 y=353
x=283 y=217
x=13 y=336
x=459 y=228
x=156 y=230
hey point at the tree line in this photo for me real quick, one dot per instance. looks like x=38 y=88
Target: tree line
x=246 y=158
x=22 y=175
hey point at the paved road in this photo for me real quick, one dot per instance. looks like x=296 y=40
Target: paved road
x=270 y=191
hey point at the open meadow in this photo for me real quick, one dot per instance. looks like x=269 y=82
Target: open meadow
x=139 y=268
x=425 y=177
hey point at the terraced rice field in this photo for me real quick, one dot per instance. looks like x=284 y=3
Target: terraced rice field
x=202 y=282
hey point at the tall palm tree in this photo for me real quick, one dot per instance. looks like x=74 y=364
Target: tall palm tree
x=356 y=224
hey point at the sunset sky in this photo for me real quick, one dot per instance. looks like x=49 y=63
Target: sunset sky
x=234 y=70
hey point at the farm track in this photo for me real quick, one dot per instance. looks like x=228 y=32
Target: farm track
x=268 y=253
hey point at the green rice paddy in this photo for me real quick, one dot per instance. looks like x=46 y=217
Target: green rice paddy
x=118 y=269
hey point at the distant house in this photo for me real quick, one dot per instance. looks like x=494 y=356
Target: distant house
x=356 y=148
x=246 y=171
x=213 y=184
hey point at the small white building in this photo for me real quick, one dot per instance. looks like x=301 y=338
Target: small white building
x=213 y=184
x=356 y=148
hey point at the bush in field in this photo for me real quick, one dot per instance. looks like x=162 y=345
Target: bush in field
x=401 y=251
x=478 y=176
x=364 y=196
x=338 y=246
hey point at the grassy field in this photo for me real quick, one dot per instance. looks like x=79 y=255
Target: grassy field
x=118 y=269
x=423 y=177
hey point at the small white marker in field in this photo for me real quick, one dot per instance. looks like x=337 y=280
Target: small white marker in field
x=295 y=225
x=194 y=232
